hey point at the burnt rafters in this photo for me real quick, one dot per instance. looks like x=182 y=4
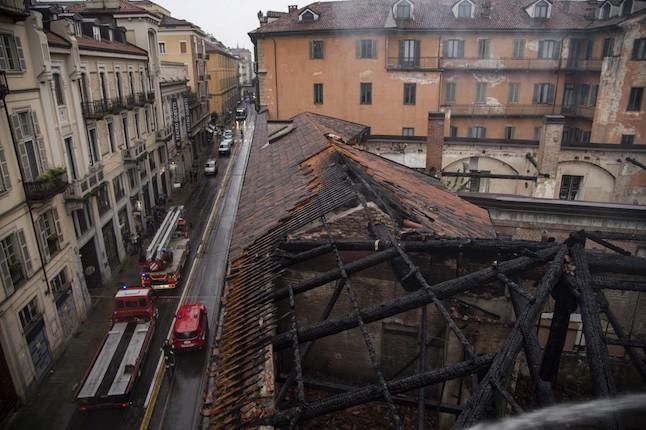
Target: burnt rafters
x=599 y=262
x=419 y=298
x=505 y=359
x=611 y=235
x=513 y=286
x=373 y=392
x=601 y=241
x=614 y=283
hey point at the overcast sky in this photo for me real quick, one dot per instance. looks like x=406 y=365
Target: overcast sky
x=228 y=21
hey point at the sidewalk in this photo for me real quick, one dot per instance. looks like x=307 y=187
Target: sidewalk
x=52 y=406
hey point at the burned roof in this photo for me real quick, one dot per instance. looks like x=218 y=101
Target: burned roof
x=434 y=15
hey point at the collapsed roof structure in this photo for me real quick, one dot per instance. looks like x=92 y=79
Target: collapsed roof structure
x=335 y=248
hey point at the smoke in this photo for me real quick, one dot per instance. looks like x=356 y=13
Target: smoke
x=565 y=414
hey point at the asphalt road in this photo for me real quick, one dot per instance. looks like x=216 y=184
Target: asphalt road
x=187 y=383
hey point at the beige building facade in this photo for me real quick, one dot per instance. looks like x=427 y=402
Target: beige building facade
x=223 y=81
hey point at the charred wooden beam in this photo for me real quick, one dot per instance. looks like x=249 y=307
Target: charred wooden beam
x=636 y=162
x=515 y=287
x=505 y=359
x=423 y=358
x=489 y=176
x=290 y=259
x=333 y=275
x=373 y=392
x=614 y=283
x=601 y=241
x=626 y=265
x=629 y=343
x=611 y=235
x=418 y=298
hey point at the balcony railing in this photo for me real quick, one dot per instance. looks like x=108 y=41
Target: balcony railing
x=150 y=96
x=134 y=153
x=96 y=109
x=579 y=64
x=14 y=7
x=164 y=134
x=579 y=111
x=502 y=110
x=116 y=105
x=46 y=186
x=499 y=63
x=80 y=188
x=131 y=101
x=417 y=63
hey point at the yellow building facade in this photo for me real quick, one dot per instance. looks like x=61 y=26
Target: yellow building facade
x=222 y=69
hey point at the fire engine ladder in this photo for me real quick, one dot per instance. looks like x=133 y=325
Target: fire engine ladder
x=164 y=233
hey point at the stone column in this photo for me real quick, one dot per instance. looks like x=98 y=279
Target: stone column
x=549 y=150
x=435 y=143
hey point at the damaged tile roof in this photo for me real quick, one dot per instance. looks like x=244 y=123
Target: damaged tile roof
x=86 y=42
x=434 y=15
x=289 y=183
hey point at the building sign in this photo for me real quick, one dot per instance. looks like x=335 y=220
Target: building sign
x=187 y=115
x=176 y=125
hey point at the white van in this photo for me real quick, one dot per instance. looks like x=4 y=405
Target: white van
x=225 y=147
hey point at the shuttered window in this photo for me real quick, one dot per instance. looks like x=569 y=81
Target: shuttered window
x=449 y=96
x=543 y=93
x=15 y=262
x=518 y=50
x=31 y=144
x=366 y=49
x=548 y=49
x=11 y=55
x=50 y=233
x=316 y=50
x=454 y=48
x=5 y=179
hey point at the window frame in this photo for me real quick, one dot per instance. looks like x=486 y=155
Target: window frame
x=317 y=50
x=12 y=57
x=639 y=49
x=543 y=5
x=463 y=7
x=161 y=47
x=365 y=93
x=484 y=51
x=410 y=94
x=635 y=99
x=408 y=131
x=318 y=93
x=567 y=191
x=450 y=89
x=627 y=139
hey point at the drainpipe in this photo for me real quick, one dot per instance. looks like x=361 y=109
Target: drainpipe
x=276 y=78
x=22 y=179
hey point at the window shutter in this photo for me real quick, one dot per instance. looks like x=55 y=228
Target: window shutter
x=29 y=268
x=550 y=93
x=322 y=46
x=57 y=223
x=4 y=63
x=17 y=129
x=401 y=50
x=536 y=92
x=373 y=44
x=4 y=170
x=445 y=48
x=311 y=50
x=42 y=235
x=358 y=49
x=34 y=121
x=40 y=141
x=461 y=48
x=557 y=50
x=21 y=56
x=5 y=274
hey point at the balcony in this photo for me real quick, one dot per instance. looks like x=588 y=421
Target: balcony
x=576 y=64
x=416 y=64
x=579 y=111
x=150 y=97
x=79 y=189
x=15 y=8
x=499 y=63
x=131 y=101
x=501 y=110
x=164 y=134
x=46 y=186
x=135 y=153
x=96 y=109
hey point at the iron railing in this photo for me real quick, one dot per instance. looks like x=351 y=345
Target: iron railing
x=79 y=188
x=478 y=109
x=579 y=111
x=413 y=63
x=43 y=189
x=471 y=63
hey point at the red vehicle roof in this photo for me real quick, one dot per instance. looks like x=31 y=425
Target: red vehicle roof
x=188 y=318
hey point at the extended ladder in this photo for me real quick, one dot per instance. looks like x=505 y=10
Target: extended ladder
x=164 y=233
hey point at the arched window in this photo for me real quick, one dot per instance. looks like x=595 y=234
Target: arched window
x=541 y=10
x=605 y=11
x=626 y=7
x=403 y=10
x=464 y=9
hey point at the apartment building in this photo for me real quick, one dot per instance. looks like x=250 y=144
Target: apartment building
x=495 y=68
x=246 y=70
x=223 y=81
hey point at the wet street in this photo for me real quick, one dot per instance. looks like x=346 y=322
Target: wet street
x=211 y=210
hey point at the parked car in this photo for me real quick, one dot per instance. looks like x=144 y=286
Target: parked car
x=211 y=167
x=228 y=134
x=190 y=327
x=225 y=147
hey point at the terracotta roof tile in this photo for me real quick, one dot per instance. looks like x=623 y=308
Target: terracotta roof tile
x=90 y=43
x=54 y=39
x=124 y=7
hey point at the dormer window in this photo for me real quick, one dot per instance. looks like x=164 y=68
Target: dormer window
x=626 y=7
x=465 y=9
x=96 y=32
x=77 y=29
x=308 y=15
x=542 y=10
x=404 y=10
x=605 y=11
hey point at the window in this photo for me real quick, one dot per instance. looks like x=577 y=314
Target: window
x=548 y=49
x=483 y=48
x=318 y=94
x=605 y=11
x=103 y=199
x=538 y=132
x=449 y=95
x=408 y=131
x=570 y=187
x=307 y=16
x=94 y=146
x=477 y=132
x=131 y=79
x=478 y=184
x=96 y=32
x=635 y=99
x=111 y=141
x=582 y=94
x=541 y=10
x=403 y=10
x=543 y=93
x=464 y=9
x=514 y=92
x=409 y=94
x=58 y=89
x=454 y=48
x=510 y=131
x=366 y=93
x=589 y=49
x=481 y=92
x=29 y=314
x=627 y=7
x=137 y=129
x=182 y=47
x=608 y=44
x=366 y=49
x=126 y=132
x=162 y=47
x=639 y=49
x=83 y=87
x=594 y=92
x=50 y=233
x=453 y=131
x=119 y=85
x=103 y=82
x=82 y=220
x=585 y=138
x=409 y=51
x=31 y=145
x=71 y=158
x=627 y=139
x=151 y=161
x=60 y=284
x=117 y=186
x=5 y=178
x=11 y=56
x=147 y=119
x=518 y=49
x=316 y=50
x=15 y=262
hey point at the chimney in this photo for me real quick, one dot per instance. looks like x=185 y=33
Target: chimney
x=292 y=8
x=549 y=149
x=435 y=143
